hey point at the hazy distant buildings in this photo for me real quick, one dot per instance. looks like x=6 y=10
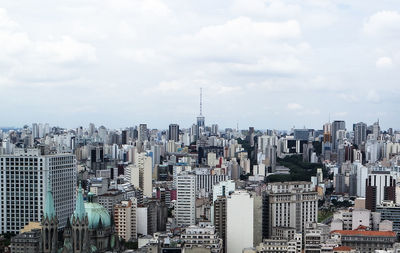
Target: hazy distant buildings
x=143 y=133
x=173 y=132
x=336 y=126
x=360 y=133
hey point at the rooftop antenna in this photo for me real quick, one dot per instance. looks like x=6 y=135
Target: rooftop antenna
x=201 y=101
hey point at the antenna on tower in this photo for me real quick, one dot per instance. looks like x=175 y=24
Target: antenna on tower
x=201 y=101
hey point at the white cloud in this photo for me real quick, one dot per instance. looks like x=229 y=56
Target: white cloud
x=294 y=106
x=340 y=114
x=5 y=21
x=373 y=97
x=66 y=50
x=349 y=97
x=245 y=54
x=384 y=62
x=263 y=8
x=383 y=23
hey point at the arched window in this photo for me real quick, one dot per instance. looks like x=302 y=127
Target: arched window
x=77 y=246
x=46 y=236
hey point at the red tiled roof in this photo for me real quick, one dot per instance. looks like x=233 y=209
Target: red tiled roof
x=342 y=248
x=365 y=233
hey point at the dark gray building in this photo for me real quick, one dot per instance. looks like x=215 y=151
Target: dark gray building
x=173 y=132
x=336 y=125
x=360 y=133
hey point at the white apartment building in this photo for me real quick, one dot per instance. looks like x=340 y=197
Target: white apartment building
x=24 y=176
x=239 y=221
x=185 y=211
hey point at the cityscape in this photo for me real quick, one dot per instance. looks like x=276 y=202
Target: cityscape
x=180 y=126
x=200 y=189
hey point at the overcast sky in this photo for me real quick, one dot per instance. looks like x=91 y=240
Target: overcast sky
x=271 y=64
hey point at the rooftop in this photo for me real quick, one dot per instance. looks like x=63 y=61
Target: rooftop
x=365 y=233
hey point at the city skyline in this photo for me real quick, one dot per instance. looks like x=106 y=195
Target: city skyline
x=260 y=63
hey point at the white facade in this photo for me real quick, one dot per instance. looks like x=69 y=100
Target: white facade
x=185 y=212
x=23 y=184
x=362 y=174
x=239 y=221
x=147 y=177
x=142 y=220
x=140 y=174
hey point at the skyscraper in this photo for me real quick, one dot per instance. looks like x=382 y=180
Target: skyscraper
x=143 y=133
x=336 y=126
x=219 y=214
x=186 y=199
x=173 y=132
x=23 y=187
x=360 y=133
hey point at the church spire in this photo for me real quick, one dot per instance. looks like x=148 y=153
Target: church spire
x=49 y=210
x=80 y=212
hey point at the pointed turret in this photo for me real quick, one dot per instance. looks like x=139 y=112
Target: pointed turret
x=49 y=210
x=80 y=212
x=49 y=223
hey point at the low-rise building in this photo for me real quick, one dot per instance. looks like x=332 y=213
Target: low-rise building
x=365 y=241
x=202 y=236
x=28 y=242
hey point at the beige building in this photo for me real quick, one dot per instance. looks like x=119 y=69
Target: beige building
x=290 y=205
x=125 y=219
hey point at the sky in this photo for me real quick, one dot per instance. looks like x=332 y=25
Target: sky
x=271 y=64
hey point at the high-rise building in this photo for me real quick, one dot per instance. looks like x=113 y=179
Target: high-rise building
x=125 y=219
x=219 y=215
x=173 y=132
x=214 y=129
x=336 y=126
x=186 y=199
x=140 y=174
x=289 y=204
x=376 y=129
x=380 y=186
x=143 y=133
x=124 y=137
x=35 y=130
x=239 y=221
x=360 y=133
x=23 y=177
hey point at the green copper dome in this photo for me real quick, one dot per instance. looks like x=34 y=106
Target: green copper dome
x=97 y=212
